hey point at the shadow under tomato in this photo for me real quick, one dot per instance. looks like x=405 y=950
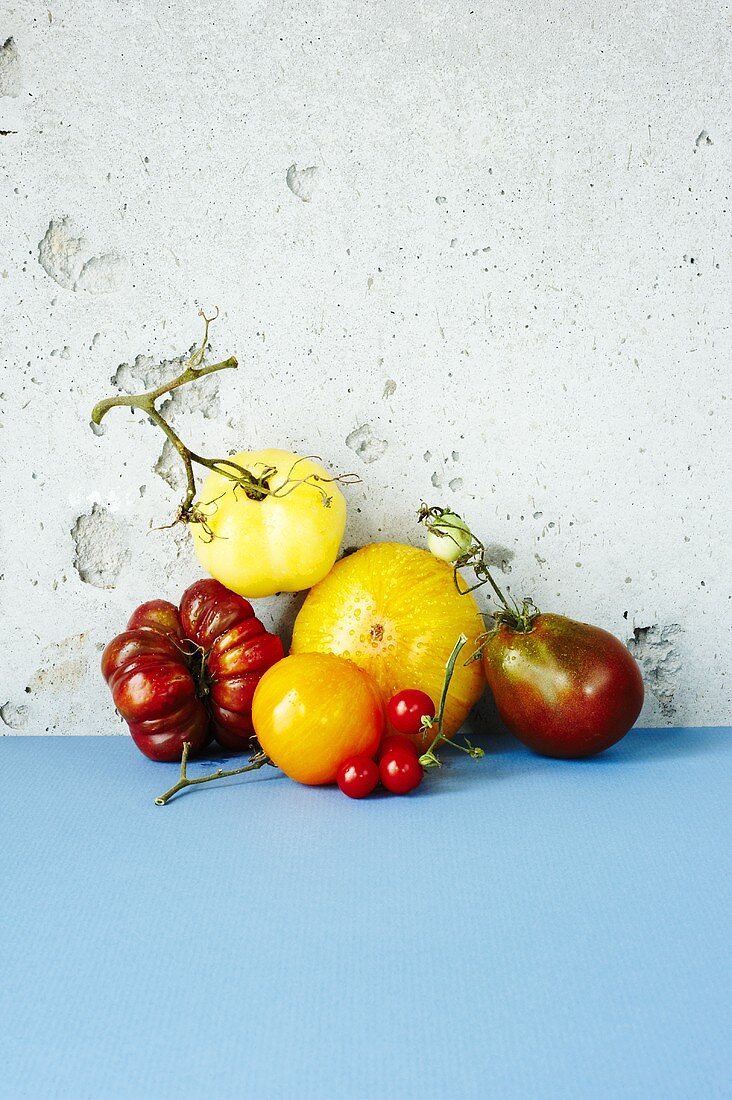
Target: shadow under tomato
x=426 y=789
x=639 y=744
x=646 y=744
x=505 y=757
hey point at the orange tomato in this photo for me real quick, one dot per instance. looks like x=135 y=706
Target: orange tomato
x=313 y=710
x=395 y=611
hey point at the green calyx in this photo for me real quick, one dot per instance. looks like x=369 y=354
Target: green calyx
x=430 y=759
x=519 y=618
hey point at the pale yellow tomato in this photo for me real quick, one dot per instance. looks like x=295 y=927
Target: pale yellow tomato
x=395 y=611
x=312 y=711
x=284 y=542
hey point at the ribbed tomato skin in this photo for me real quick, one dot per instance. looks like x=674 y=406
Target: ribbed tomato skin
x=564 y=688
x=160 y=615
x=207 y=609
x=237 y=660
x=155 y=693
x=239 y=651
x=183 y=675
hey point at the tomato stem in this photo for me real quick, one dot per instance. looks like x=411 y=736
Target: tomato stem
x=146 y=403
x=429 y=759
x=255 y=486
x=257 y=761
x=474 y=556
x=519 y=618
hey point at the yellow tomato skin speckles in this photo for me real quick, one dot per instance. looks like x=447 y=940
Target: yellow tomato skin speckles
x=394 y=610
x=311 y=711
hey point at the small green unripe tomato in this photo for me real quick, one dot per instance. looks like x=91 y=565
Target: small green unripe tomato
x=449 y=537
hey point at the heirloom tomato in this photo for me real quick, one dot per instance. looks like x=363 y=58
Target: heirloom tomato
x=155 y=691
x=396 y=612
x=185 y=674
x=564 y=688
x=282 y=540
x=312 y=711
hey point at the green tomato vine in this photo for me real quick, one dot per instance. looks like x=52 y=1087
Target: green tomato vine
x=429 y=759
x=465 y=550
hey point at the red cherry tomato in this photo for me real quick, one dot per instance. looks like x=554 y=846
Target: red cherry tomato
x=399 y=742
x=357 y=776
x=564 y=688
x=400 y=771
x=407 y=708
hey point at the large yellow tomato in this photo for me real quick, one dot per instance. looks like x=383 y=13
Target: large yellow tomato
x=283 y=542
x=312 y=711
x=395 y=611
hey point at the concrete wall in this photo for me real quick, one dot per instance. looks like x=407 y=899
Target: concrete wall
x=477 y=253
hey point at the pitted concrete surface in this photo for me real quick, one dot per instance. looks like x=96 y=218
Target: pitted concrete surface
x=477 y=254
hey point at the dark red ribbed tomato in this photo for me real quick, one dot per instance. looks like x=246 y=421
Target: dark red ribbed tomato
x=185 y=674
x=564 y=688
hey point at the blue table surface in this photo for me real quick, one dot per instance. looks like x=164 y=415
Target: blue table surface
x=519 y=927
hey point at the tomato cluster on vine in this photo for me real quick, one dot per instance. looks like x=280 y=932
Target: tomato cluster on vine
x=398 y=768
